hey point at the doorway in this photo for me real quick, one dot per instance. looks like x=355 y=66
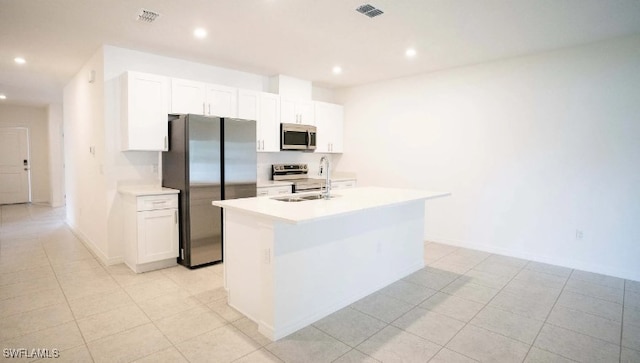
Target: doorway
x=15 y=168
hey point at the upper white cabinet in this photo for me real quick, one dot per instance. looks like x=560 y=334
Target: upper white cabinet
x=296 y=111
x=329 y=119
x=187 y=96
x=144 y=112
x=269 y=122
x=248 y=104
x=202 y=98
x=265 y=109
x=221 y=101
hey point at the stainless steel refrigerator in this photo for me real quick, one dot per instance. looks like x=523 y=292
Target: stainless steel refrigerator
x=209 y=158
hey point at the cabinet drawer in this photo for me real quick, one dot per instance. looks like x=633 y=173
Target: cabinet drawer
x=343 y=184
x=153 y=202
x=275 y=190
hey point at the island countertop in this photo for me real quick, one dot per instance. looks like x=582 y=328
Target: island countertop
x=346 y=201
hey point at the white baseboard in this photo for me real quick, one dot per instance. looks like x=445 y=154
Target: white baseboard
x=102 y=258
x=552 y=260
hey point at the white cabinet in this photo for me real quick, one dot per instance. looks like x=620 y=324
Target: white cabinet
x=269 y=122
x=202 y=98
x=274 y=190
x=343 y=184
x=221 y=101
x=296 y=111
x=248 y=104
x=151 y=231
x=144 y=112
x=265 y=109
x=187 y=96
x=329 y=119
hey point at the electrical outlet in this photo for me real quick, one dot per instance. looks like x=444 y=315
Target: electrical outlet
x=579 y=234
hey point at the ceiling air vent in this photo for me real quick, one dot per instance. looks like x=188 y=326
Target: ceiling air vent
x=147 y=16
x=369 y=10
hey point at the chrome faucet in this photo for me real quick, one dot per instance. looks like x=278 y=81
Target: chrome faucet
x=326 y=194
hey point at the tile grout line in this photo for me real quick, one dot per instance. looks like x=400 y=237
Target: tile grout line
x=444 y=346
x=485 y=305
x=66 y=299
x=547 y=317
x=393 y=326
x=154 y=323
x=441 y=257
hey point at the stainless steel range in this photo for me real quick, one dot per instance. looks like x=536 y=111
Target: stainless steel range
x=299 y=175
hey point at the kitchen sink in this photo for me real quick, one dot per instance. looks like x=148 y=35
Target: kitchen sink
x=316 y=196
x=301 y=198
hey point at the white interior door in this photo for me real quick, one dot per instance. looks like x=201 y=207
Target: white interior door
x=14 y=166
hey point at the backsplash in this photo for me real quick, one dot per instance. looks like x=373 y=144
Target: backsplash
x=265 y=160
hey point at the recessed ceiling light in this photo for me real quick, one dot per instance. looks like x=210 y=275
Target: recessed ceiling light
x=200 y=33
x=3 y=97
x=19 y=60
x=410 y=53
x=337 y=70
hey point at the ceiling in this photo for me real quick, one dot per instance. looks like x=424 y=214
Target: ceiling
x=299 y=38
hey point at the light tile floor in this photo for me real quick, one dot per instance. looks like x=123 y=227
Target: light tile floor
x=465 y=306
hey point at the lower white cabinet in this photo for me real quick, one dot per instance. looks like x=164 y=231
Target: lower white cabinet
x=343 y=184
x=274 y=190
x=151 y=231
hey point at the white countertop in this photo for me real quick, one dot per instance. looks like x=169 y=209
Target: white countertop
x=346 y=201
x=140 y=190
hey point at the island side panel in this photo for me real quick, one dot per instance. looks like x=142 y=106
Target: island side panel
x=247 y=252
x=322 y=266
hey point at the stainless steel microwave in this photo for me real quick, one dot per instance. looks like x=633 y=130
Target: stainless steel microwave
x=297 y=137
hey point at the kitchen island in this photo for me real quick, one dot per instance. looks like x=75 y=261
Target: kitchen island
x=290 y=263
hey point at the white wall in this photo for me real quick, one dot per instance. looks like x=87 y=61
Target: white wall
x=35 y=120
x=533 y=149
x=56 y=154
x=85 y=182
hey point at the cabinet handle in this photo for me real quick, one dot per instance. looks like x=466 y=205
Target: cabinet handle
x=258 y=146
x=175 y=217
x=209 y=109
x=203 y=110
x=262 y=144
x=165 y=143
